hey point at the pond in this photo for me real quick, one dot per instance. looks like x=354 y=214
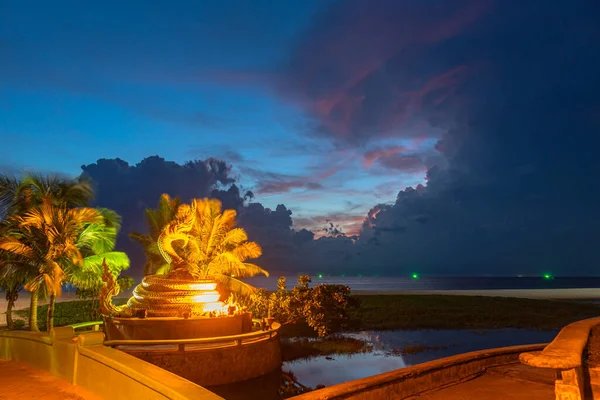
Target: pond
x=391 y=350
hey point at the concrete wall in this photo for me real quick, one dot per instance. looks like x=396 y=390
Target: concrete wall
x=218 y=366
x=104 y=371
x=412 y=381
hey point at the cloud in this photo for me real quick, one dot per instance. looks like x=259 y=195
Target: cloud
x=349 y=222
x=407 y=163
x=268 y=182
x=519 y=192
x=359 y=72
x=373 y=155
x=130 y=189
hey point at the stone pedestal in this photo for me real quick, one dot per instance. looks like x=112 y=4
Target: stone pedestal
x=160 y=328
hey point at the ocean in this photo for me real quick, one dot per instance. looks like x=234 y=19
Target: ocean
x=384 y=283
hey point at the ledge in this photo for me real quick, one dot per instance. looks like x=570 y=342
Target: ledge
x=566 y=350
x=420 y=378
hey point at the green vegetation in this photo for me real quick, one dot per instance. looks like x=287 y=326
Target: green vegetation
x=465 y=312
x=70 y=312
x=48 y=236
x=323 y=308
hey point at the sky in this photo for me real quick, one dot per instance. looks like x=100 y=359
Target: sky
x=186 y=80
x=459 y=135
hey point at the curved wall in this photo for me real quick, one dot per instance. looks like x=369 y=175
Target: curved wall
x=417 y=379
x=106 y=372
x=219 y=365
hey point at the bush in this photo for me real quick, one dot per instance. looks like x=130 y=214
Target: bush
x=324 y=308
x=125 y=283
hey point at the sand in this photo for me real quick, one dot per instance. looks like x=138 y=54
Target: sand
x=549 y=294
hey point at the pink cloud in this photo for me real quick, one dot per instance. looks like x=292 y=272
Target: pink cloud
x=338 y=73
x=373 y=155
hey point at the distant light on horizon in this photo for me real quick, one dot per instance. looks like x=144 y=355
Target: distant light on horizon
x=320 y=276
x=415 y=275
x=548 y=276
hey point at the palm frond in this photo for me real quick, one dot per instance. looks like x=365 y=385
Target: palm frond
x=247 y=250
x=15 y=246
x=235 y=285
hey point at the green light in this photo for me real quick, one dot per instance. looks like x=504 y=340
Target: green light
x=320 y=276
x=415 y=275
x=547 y=276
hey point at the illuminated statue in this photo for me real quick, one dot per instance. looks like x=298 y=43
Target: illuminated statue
x=202 y=248
x=109 y=290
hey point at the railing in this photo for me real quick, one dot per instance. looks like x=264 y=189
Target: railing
x=94 y=324
x=232 y=340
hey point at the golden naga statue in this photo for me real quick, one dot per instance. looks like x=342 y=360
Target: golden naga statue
x=109 y=290
x=202 y=248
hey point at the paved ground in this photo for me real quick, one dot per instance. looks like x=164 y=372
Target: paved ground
x=20 y=381
x=510 y=382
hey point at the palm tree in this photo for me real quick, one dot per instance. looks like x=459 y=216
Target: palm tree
x=47 y=238
x=97 y=243
x=19 y=196
x=157 y=219
x=11 y=283
x=203 y=242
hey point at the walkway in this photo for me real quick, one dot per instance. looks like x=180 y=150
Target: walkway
x=507 y=382
x=20 y=381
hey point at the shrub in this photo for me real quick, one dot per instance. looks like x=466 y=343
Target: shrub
x=324 y=308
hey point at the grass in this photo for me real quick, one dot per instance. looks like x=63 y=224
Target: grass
x=302 y=348
x=385 y=312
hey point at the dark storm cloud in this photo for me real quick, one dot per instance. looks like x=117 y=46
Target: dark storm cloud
x=521 y=190
x=130 y=189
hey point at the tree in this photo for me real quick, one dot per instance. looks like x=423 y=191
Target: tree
x=12 y=284
x=203 y=242
x=47 y=237
x=17 y=196
x=157 y=219
x=125 y=283
x=96 y=244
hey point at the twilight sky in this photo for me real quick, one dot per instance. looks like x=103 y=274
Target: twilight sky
x=332 y=108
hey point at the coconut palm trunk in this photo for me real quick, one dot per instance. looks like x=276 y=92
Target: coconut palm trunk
x=33 y=312
x=11 y=297
x=50 y=315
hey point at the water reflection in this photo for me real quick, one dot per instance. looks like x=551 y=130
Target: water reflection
x=392 y=351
